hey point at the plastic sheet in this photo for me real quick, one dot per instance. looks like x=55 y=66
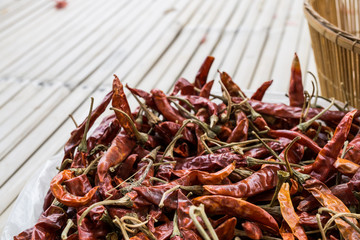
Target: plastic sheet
x=28 y=205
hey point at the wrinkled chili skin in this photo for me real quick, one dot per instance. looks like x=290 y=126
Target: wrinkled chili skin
x=77 y=134
x=200 y=102
x=219 y=205
x=296 y=90
x=260 y=181
x=308 y=220
x=104 y=133
x=184 y=87
x=202 y=74
x=230 y=85
x=260 y=92
x=120 y=148
x=346 y=167
x=66 y=198
x=48 y=226
x=252 y=230
x=288 y=212
x=92 y=228
x=323 y=165
x=321 y=192
x=225 y=231
x=206 y=89
x=168 y=130
x=165 y=108
x=210 y=162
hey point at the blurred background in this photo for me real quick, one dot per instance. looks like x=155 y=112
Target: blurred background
x=55 y=55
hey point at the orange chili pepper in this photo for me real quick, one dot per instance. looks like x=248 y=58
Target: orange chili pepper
x=323 y=194
x=64 y=196
x=288 y=212
x=346 y=167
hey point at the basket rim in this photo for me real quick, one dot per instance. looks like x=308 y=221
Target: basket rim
x=329 y=30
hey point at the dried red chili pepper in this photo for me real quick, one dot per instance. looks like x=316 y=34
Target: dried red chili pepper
x=296 y=90
x=323 y=165
x=230 y=85
x=354 y=150
x=64 y=196
x=201 y=76
x=77 y=134
x=225 y=231
x=323 y=194
x=260 y=92
x=252 y=230
x=218 y=205
x=288 y=212
x=184 y=86
x=346 y=167
x=206 y=89
x=165 y=108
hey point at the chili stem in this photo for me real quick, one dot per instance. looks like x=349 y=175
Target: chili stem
x=194 y=212
x=305 y=125
x=73 y=119
x=83 y=146
x=176 y=230
x=166 y=194
x=254 y=161
x=69 y=225
x=282 y=178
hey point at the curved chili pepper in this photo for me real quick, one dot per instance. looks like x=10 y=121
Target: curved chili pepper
x=205 y=177
x=169 y=129
x=225 y=231
x=64 y=196
x=284 y=111
x=323 y=194
x=104 y=133
x=346 y=167
x=252 y=230
x=260 y=92
x=120 y=148
x=323 y=165
x=239 y=133
x=206 y=89
x=184 y=86
x=289 y=134
x=165 y=108
x=210 y=162
x=236 y=207
x=78 y=133
x=296 y=90
x=149 y=101
x=230 y=85
x=202 y=74
x=288 y=212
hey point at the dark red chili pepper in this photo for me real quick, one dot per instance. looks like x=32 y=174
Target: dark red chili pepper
x=304 y=140
x=92 y=227
x=252 y=230
x=184 y=86
x=120 y=148
x=205 y=91
x=296 y=90
x=200 y=102
x=77 y=134
x=260 y=92
x=168 y=130
x=309 y=220
x=226 y=230
x=240 y=132
x=64 y=196
x=165 y=108
x=201 y=76
x=149 y=101
x=189 y=234
x=104 y=133
x=219 y=205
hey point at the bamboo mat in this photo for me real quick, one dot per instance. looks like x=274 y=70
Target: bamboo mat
x=52 y=61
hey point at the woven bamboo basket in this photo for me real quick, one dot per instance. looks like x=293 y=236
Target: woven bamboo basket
x=335 y=30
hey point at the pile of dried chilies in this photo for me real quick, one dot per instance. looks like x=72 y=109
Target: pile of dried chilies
x=194 y=165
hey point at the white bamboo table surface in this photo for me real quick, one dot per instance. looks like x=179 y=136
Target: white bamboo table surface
x=52 y=61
